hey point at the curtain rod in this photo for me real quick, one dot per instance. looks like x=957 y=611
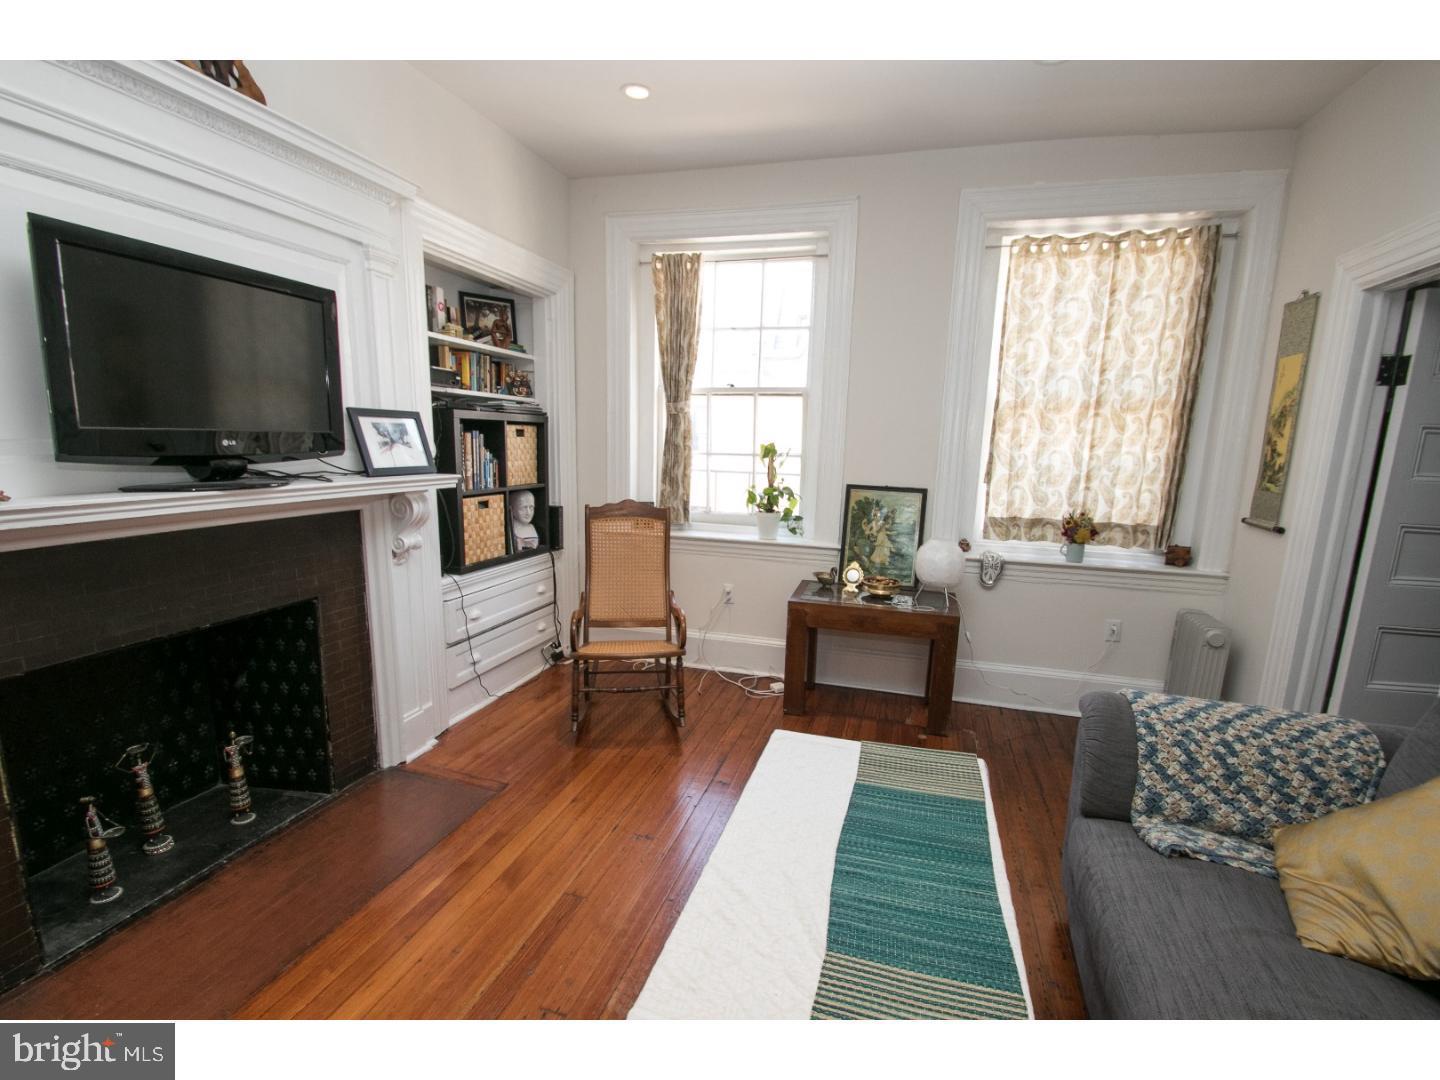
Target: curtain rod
x=996 y=247
x=742 y=257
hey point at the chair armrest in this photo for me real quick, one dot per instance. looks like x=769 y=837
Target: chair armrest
x=679 y=616
x=576 y=621
x=1102 y=784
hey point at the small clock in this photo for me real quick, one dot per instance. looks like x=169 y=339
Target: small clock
x=852 y=577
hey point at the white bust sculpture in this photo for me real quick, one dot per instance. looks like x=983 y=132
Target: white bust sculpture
x=522 y=521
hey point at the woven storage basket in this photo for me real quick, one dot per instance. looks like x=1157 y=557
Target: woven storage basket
x=522 y=454
x=483 y=523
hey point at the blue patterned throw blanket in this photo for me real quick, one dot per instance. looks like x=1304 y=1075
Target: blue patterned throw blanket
x=916 y=926
x=1216 y=778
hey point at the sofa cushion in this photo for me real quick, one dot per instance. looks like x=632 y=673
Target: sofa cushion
x=1418 y=758
x=1166 y=938
x=1362 y=882
x=1105 y=756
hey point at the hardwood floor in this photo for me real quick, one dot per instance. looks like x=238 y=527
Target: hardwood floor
x=555 y=898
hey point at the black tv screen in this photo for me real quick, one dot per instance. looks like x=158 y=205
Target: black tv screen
x=159 y=355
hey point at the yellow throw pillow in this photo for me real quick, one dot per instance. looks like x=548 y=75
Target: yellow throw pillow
x=1365 y=882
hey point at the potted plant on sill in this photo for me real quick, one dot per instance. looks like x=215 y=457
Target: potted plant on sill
x=1078 y=528
x=775 y=502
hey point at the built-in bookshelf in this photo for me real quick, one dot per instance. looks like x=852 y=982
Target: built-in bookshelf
x=471 y=356
x=500 y=454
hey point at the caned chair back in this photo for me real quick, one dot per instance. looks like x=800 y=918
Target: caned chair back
x=627 y=565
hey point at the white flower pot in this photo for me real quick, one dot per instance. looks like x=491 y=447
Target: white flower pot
x=768 y=525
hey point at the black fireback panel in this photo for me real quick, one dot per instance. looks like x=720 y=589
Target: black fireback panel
x=64 y=727
x=268 y=680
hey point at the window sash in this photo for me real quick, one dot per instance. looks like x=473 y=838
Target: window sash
x=701 y=510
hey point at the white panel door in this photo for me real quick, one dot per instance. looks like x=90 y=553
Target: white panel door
x=1390 y=666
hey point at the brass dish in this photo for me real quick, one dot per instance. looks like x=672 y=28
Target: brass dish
x=881 y=586
x=825 y=577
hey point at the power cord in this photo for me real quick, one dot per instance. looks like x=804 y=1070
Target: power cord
x=469 y=639
x=970 y=646
x=748 y=683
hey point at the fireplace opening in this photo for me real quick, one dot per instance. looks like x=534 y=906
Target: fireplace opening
x=78 y=729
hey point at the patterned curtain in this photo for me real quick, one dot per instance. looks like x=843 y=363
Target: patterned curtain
x=1099 y=360
x=677 y=322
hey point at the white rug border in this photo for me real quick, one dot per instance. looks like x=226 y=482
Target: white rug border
x=751 y=939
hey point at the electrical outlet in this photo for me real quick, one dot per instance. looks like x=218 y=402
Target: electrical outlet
x=727 y=593
x=1112 y=630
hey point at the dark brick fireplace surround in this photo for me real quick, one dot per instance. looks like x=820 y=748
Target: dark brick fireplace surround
x=63 y=603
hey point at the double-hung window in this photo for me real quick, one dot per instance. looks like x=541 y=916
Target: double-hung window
x=751 y=378
x=1101 y=340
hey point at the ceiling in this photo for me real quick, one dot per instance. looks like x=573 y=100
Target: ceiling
x=704 y=114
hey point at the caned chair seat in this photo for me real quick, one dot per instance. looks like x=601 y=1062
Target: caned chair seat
x=628 y=650
x=627 y=584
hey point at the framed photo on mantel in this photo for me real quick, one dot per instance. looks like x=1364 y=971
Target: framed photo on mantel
x=392 y=442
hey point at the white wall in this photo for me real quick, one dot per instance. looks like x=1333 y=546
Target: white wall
x=389 y=111
x=903 y=283
x=1367 y=164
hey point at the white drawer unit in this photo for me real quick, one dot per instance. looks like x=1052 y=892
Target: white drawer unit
x=483 y=608
x=466 y=660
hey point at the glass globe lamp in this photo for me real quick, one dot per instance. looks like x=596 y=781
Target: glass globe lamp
x=940 y=564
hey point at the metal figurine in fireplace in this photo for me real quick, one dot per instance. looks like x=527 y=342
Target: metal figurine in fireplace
x=99 y=830
x=241 y=810
x=147 y=806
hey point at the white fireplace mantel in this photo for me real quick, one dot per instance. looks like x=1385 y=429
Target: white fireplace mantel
x=152 y=150
x=78 y=519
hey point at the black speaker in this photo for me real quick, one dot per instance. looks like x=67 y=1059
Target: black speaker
x=556 y=527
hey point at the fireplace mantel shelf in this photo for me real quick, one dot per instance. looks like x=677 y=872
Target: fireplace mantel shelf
x=73 y=519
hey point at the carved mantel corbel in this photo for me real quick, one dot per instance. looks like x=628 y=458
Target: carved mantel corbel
x=410 y=511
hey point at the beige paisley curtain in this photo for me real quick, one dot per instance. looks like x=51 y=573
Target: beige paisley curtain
x=1099 y=360
x=677 y=323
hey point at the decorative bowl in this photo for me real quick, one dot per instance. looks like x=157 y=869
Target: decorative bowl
x=881 y=586
x=824 y=578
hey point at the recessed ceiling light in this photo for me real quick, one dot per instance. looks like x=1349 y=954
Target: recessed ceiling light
x=1051 y=63
x=635 y=92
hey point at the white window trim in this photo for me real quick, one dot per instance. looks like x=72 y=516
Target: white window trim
x=1256 y=199
x=1188 y=509
x=632 y=430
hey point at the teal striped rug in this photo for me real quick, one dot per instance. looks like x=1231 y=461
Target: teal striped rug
x=916 y=930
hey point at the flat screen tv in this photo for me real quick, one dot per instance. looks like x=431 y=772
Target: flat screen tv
x=162 y=357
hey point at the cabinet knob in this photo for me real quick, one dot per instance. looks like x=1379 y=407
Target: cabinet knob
x=542 y=589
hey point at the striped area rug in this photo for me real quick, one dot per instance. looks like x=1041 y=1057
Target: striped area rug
x=916 y=929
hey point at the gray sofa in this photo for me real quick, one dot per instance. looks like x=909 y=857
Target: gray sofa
x=1177 y=938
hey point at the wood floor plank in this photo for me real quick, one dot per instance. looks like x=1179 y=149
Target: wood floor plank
x=555 y=898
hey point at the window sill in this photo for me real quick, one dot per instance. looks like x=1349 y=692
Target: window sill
x=1103 y=572
x=742 y=541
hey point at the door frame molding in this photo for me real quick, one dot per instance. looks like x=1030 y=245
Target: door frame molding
x=1330 y=449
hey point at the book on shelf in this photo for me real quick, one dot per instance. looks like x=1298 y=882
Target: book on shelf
x=479 y=469
x=435 y=309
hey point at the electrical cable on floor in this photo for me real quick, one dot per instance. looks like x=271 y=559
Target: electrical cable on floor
x=970 y=646
x=753 y=681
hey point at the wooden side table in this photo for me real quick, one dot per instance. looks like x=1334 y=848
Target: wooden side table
x=814 y=607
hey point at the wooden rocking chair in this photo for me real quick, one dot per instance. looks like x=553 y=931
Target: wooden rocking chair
x=627 y=583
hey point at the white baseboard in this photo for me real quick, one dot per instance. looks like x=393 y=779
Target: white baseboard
x=878 y=663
